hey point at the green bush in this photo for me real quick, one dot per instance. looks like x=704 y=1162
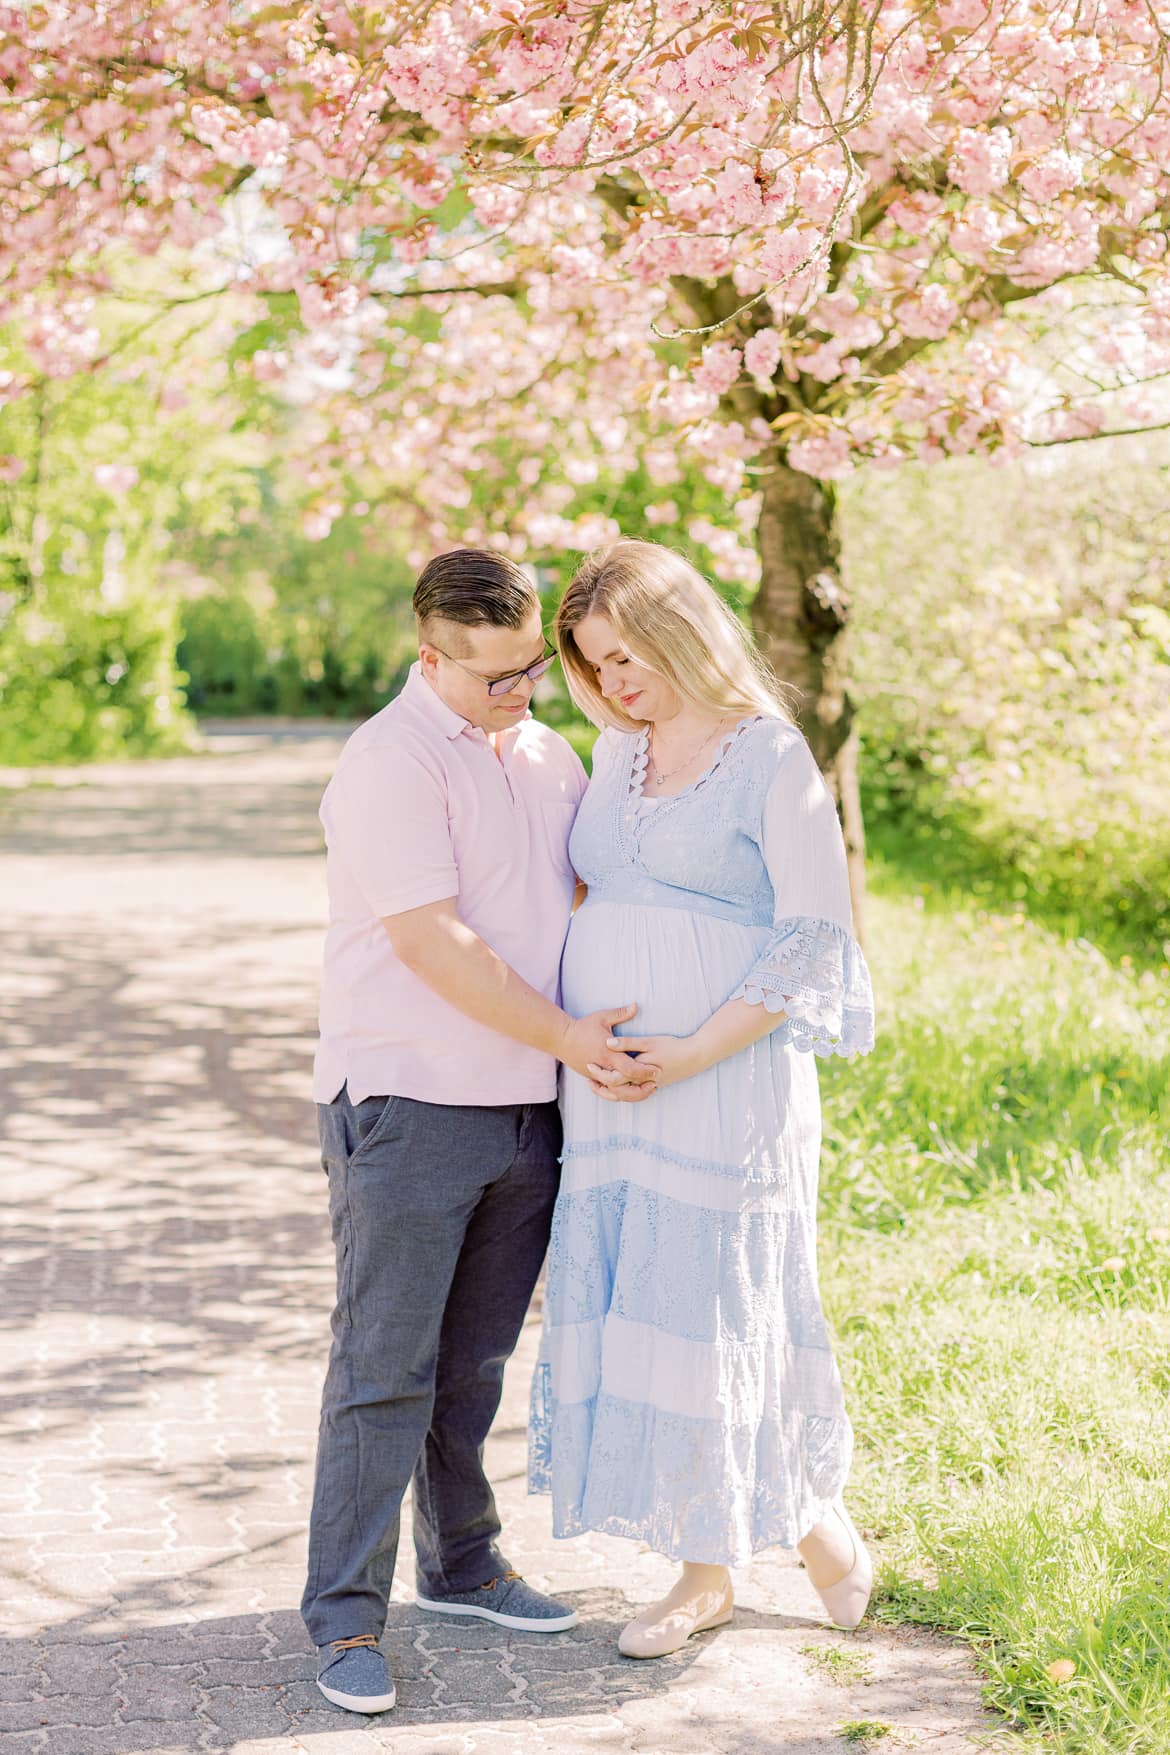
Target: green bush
x=1108 y=887
x=89 y=683
x=241 y=658
x=222 y=653
x=1013 y=678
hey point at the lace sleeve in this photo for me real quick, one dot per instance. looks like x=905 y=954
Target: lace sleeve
x=814 y=972
x=812 y=967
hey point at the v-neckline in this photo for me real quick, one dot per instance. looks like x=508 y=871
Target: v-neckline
x=630 y=812
x=637 y=780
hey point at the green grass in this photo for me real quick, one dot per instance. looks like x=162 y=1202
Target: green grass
x=863 y=1732
x=842 y=1664
x=995 y=1252
x=1113 y=893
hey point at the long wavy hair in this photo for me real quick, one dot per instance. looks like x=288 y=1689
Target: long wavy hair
x=669 y=619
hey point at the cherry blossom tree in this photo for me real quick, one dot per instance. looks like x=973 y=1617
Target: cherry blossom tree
x=532 y=245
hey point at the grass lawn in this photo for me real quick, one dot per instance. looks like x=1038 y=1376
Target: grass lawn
x=995 y=1256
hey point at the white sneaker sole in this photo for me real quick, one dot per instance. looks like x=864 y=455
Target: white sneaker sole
x=521 y=1623
x=359 y=1702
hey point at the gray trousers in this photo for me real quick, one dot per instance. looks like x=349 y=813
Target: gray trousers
x=440 y=1221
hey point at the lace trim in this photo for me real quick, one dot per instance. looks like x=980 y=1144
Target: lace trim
x=615 y=1144
x=739 y=1513
x=637 y=782
x=814 y=971
x=638 y=766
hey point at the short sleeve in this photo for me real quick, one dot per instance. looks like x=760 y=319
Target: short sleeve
x=812 y=967
x=385 y=818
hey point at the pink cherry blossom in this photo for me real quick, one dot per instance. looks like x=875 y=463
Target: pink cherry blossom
x=980 y=161
x=825 y=454
x=977 y=232
x=782 y=252
x=1076 y=421
x=732 y=560
x=680 y=402
x=719 y=367
x=588 y=238
x=818 y=190
x=931 y=313
x=1053 y=174
x=739 y=198
x=319 y=520
x=962 y=15
x=115 y=478
x=761 y=354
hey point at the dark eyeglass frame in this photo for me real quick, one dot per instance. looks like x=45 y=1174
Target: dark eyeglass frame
x=501 y=685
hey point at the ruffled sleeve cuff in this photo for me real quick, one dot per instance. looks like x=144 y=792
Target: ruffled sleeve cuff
x=814 y=971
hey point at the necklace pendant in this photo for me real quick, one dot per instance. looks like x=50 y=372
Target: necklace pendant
x=659 y=775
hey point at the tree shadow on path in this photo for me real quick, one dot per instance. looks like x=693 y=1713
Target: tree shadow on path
x=135 y=1676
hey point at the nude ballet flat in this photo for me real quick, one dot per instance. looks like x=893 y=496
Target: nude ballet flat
x=657 y=1638
x=847 y=1600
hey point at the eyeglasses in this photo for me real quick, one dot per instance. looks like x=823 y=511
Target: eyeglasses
x=502 y=685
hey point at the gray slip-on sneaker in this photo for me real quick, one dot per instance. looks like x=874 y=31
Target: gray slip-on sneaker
x=354 y=1674
x=507 y=1601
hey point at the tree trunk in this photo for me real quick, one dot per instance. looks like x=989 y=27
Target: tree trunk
x=801 y=619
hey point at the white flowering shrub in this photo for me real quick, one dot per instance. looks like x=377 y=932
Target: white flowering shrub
x=1013 y=659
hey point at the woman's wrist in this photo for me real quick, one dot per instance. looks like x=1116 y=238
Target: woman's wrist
x=701 y=1052
x=735 y=1026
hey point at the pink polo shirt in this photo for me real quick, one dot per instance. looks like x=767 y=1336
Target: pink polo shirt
x=419 y=809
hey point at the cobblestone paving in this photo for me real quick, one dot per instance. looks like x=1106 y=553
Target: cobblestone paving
x=163 y=1325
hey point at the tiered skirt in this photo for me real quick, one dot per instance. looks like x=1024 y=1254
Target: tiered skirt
x=686 y=1394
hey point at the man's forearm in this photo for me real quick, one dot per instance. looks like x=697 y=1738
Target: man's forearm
x=457 y=965
x=442 y=950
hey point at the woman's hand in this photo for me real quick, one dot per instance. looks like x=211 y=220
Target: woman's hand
x=734 y=1027
x=670 y=1058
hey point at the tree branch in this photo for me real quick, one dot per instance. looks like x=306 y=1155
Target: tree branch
x=511 y=289
x=1160 y=426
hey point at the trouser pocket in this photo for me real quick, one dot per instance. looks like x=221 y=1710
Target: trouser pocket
x=370 y=1121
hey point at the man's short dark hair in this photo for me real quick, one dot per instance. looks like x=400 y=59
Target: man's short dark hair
x=476 y=588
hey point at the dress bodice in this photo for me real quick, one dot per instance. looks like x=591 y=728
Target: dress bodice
x=754 y=840
x=701 y=849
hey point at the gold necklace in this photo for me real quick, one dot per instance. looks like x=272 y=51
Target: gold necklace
x=660 y=776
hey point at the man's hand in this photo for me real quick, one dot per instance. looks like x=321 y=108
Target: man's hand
x=589 y=1042
x=667 y=1059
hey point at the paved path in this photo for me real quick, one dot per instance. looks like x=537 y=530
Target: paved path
x=163 y=1327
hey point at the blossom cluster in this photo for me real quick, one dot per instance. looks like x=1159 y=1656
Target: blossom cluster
x=632 y=228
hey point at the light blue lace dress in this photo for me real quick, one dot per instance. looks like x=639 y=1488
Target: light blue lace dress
x=686 y=1394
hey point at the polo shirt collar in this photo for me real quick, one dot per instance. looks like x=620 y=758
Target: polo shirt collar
x=420 y=694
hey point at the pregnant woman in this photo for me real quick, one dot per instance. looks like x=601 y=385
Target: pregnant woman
x=687 y=1395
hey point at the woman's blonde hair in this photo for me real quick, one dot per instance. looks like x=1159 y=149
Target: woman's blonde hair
x=669 y=619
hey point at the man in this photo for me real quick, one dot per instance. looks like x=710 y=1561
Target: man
x=450 y=891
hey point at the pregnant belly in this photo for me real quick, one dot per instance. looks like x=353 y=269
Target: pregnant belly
x=677 y=967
